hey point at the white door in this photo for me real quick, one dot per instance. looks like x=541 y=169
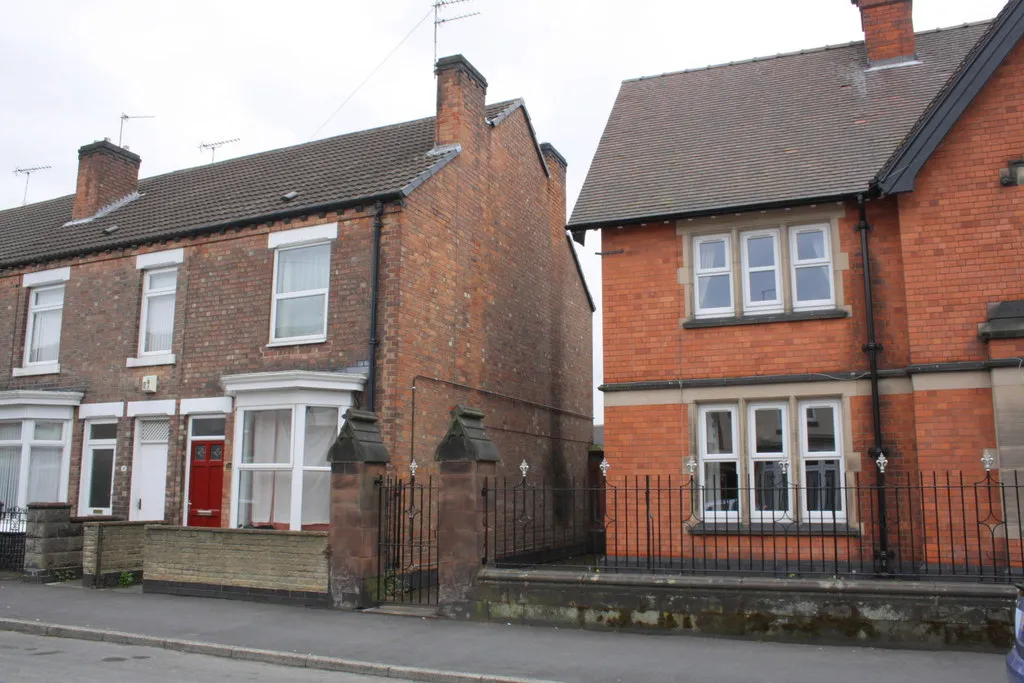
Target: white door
x=149 y=470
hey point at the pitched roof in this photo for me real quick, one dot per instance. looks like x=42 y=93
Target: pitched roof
x=900 y=171
x=380 y=163
x=816 y=124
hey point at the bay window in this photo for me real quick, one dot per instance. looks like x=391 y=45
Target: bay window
x=283 y=476
x=33 y=461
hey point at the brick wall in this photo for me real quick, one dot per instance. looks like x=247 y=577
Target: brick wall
x=111 y=549
x=289 y=561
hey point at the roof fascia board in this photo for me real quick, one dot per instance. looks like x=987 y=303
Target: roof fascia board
x=900 y=172
x=767 y=206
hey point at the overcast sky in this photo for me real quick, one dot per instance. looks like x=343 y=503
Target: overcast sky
x=271 y=73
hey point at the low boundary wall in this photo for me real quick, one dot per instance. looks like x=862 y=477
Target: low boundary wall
x=112 y=553
x=965 y=616
x=242 y=564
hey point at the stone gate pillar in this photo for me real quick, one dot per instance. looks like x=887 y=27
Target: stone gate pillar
x=466 y=457
x=358 y=458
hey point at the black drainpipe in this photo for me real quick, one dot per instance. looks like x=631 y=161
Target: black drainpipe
x=371 y=379
x=872 y=348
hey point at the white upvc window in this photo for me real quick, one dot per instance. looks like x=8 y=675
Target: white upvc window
x=99 y=451
x=811 y=265
x=821 y=461
x=34 y=459
x=762 y=285
x=769 y=461
x=299 y=302
x=42 y=334
x=718 y=436
x=712 y=266
x=283 y=477
x=156 y=320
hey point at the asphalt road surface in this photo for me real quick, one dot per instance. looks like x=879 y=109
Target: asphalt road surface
x=38 y=659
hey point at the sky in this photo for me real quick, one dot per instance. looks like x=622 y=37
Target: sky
x=271 y=74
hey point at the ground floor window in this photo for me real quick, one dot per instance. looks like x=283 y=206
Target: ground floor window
x=786 y=466
x=283 y=478
x=33 y=461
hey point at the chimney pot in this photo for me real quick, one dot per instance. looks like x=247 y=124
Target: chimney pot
x=106 y=173
x=888 y=30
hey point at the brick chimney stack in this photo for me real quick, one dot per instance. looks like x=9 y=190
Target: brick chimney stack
x=106 y=173
x=888 y=29
x=461 y=91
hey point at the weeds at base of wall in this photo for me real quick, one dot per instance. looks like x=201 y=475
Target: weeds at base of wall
x=126 y=579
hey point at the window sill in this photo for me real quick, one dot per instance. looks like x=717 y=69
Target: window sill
x=776 y=529
x=793 y=316
x=147 y=361
x=32 y=370
x=297 y=342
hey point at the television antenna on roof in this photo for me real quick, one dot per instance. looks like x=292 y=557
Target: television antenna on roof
x=125 y=117
x=212 y=146
x=27 y=172
x=439 y=6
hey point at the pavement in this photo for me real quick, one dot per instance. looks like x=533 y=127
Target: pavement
x=441 y=650
x=41 y=659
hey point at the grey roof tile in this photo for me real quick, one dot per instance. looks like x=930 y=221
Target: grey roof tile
x=336 y=170
x=808 y=125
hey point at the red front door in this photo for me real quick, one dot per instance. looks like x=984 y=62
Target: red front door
x=205 y=483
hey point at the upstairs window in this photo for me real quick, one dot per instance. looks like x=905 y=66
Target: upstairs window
x=764 y=282
x=811 y=257
x=713 y=271
x=301 y=281
x=157 y=320
x=45 y=310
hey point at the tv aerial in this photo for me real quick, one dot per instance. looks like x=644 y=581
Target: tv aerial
x=127 y=117
x=439 y=7
x=212 y=146
x=27 y=172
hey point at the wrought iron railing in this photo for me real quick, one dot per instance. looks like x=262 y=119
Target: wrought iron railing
x=938 y=525
x=13 y=521
x=407 y=551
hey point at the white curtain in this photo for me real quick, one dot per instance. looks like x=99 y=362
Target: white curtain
x=321 y=430
x=10 y=469
x=267 y=436
x=712 y=255
x=265 y=498
x=316 y=498
x=300 y=270
x=159 y=323
x=44 y=474
x=45 y=344
x=810 y=245
x=301 y=316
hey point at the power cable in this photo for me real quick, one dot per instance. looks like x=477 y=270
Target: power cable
x=375 y=70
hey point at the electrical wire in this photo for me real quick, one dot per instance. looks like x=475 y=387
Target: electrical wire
x=372 y=73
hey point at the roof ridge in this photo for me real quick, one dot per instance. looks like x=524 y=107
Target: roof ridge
x=797 y=53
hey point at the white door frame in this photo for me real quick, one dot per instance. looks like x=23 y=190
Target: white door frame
x=134 y=509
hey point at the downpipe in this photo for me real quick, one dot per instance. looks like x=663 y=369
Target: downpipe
x=371 y=378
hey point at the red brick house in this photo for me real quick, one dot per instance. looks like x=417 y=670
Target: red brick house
x=739 y=205
x=184 y=346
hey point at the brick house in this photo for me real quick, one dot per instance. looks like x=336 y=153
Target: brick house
x=738 y=207
x=183 y=347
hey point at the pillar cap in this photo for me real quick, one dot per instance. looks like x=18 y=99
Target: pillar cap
x=359 y=440
x=466 y=440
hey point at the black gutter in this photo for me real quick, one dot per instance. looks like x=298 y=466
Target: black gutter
x=371 y=379
x=210 y=227
x=872 y=348
x=703 y=213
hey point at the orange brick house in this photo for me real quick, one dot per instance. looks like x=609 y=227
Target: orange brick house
x=184 y=347
x=813 y=270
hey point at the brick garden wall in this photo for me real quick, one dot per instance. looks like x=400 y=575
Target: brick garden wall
x=112 y=552
x=237 y=563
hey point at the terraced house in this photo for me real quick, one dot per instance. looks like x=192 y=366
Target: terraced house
x=184 y=347
x=812 y=272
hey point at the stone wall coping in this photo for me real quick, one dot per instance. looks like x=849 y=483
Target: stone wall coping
x=210 y=530
x=97 y=518
x=93 y=522
x=734 y=583
x=49 y=506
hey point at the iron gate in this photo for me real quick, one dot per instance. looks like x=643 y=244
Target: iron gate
x=407 y=551
x=12 y=537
